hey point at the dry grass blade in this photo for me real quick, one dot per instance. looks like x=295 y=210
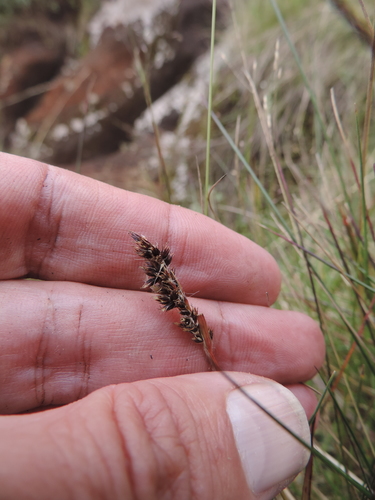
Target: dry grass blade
x=362 y=27
x=210 y=192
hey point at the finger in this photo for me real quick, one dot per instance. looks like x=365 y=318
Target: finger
x=190 y=437
x=60 y=341
x=57 y=225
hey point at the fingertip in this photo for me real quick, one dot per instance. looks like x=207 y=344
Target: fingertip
x=306 y=397
x=228 y=266
x=315 y=347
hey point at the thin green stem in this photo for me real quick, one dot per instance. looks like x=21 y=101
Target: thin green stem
x=208 y=138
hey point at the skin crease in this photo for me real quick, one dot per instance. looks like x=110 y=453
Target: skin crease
x=87 y=325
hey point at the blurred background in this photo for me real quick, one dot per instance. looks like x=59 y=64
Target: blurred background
x=77 y=77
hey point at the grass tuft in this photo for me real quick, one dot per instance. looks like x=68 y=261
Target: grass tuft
x=294 y=134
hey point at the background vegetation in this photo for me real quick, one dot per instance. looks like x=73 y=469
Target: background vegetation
x=296 y=141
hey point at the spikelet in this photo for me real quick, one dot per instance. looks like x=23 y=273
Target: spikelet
x=162 y=280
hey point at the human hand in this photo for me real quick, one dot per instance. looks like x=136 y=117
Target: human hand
x=88 y=325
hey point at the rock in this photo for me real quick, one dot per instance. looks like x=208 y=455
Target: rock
x=33 y=47
x=91 y=107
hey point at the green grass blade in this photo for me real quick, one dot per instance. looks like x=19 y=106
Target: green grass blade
x=208 y=138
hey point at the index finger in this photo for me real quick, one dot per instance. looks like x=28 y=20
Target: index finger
x=58 y=225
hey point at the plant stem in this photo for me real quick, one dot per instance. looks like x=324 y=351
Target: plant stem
x=208 y=138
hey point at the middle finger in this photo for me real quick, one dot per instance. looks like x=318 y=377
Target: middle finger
x=60 y=341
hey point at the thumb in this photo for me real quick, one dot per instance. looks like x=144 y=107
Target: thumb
x=187 y=437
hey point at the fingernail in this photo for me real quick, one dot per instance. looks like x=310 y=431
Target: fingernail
x=270 y=456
